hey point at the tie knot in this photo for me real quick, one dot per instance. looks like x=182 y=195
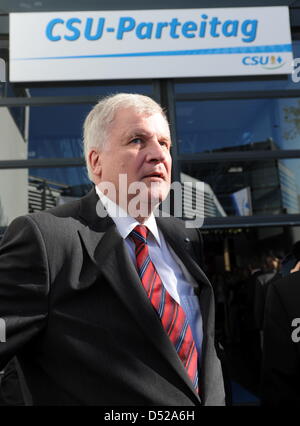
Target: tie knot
x=139 y=234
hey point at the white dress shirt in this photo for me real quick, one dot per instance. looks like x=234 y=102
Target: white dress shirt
x=173 y=273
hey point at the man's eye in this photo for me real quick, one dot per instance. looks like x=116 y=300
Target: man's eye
x=136 y=140
x=164 y=143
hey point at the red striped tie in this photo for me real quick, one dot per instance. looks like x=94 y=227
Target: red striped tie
x=171 y=314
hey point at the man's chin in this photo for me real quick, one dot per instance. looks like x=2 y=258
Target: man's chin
x=157 y=194
x=146 y=202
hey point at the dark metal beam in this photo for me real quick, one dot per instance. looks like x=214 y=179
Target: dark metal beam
x=48 y=100
x=215 y=157
x=251 y=221
x=8 y=6
x=199 y=158
x=92 y=99
x=41 y=162
x=258 y=94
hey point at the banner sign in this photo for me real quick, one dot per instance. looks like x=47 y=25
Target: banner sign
x=150 y=44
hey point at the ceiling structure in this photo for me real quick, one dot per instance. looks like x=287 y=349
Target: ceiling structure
x=8 y=6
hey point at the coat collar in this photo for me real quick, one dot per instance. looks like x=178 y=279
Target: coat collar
x=93 y=214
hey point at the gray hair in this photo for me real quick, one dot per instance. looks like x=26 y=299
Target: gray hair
x=97 y=122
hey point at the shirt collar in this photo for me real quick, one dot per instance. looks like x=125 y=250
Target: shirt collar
x=125 y=223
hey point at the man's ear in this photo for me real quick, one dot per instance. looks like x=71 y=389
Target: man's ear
x=95 y=162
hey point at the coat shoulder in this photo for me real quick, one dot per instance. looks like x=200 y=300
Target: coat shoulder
x=178 y=231
x=287 y=285
x=179 y=225
x=287 y=292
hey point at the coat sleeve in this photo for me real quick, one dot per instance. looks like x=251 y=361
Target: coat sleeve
x=281 y=362
x=24 y=286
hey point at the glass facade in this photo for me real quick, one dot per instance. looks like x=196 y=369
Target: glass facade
x=210 y=126
x=236 y=135
x=206 y=126
x=245 y=188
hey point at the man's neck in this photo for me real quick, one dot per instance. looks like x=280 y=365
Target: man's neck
x=117 y=209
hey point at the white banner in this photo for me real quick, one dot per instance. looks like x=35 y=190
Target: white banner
x=150 y=44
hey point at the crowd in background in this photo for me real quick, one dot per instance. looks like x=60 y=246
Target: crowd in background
x=240 y=301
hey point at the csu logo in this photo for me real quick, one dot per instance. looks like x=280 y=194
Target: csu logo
x=270 y=62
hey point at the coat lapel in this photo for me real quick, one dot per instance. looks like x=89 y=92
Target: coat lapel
x=107 y=249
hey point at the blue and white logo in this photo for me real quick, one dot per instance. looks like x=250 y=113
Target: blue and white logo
x=268 y=62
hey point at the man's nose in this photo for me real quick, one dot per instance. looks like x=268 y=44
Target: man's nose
x=156 y=152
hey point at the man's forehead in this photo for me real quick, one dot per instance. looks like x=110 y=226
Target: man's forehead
x=145 y=131
x=140 y=122
x=136 y=114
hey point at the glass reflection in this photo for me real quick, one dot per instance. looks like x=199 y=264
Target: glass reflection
x=211 y=126
x=245 y=188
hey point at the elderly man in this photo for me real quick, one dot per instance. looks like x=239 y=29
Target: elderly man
x=103 y=303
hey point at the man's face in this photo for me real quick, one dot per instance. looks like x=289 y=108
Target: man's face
x=138 y=146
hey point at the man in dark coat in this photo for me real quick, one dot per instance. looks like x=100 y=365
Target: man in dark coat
x=72 y=285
